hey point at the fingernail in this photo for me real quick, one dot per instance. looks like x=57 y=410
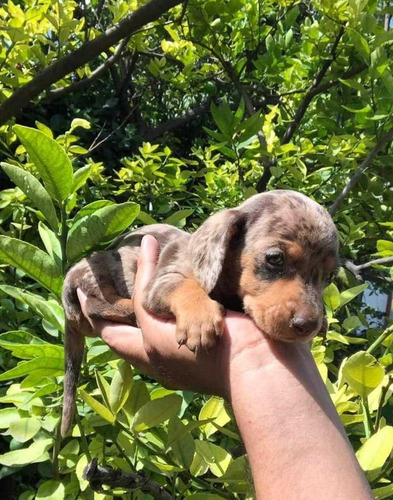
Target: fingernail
x=144 y=242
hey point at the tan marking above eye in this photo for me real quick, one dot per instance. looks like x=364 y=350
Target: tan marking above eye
x=293 y=250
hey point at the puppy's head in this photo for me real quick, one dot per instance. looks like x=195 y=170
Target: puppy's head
x=287 y=253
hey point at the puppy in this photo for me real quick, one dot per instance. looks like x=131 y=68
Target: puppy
x=271 y=257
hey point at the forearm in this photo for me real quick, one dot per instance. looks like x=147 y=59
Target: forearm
x=295 y=441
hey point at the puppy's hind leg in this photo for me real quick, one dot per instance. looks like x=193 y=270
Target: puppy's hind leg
x=111 y=307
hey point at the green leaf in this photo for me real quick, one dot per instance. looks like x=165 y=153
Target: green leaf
x=239 y=114
x=365 y=109
x=223 y=118
x=383 y=492
x=214 y=409
x=178 y=219
x=35 y=453
x=103 y=226
x=104 y=388
x=157 y=411
x=120 y=386
x=199 y=465
x=236 y=476
x=348 y=295
x=181 y=442
x=99 y=408
x=146 y=218
x=360 y=44
x=51 y=243
x=50 y=367
x=24 y=429
x=288 y=38
x=363 y=373
x=80 y=177
x=50 y=160
x=49 y=310
x=387 y=80
x=31 y=351
x=139 y=396
x=216 y=457
x=385 y=247
x=331 y=297
x=374 y=452
x=352 y=323
x=7 y=416
x=33 y=261
x=79 y=122
x=269 y=43
x=250 y=127
x=21 y=337
x=91 y=208
x=44 y=128
x=51 y=490
x=34 y=191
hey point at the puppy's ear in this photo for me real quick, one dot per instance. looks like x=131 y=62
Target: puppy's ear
x=209 y=245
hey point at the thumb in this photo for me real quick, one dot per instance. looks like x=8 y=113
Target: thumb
x=147 y=262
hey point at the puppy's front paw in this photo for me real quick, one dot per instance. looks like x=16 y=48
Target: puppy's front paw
x=200 y=325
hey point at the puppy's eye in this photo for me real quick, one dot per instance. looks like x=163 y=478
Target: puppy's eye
x=275 y=258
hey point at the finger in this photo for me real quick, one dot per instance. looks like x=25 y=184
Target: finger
x=147 y=262
x=127 y=342
x=156 y=331
x=82 y=301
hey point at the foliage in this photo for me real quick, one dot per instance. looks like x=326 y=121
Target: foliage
x=197 y=110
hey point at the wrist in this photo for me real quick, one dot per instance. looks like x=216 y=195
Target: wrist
x=262 y=361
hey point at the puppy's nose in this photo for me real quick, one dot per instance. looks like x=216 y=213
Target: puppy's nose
x=304 y=325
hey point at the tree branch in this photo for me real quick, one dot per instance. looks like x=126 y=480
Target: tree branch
x=99 y=476
x=234 y=77
x=78 y=86
x=388 y=136
x=262 y=183
x=377 y=262
x=311 y=93
x=357 y=269
x=315 y=89
x=62 y=67
x=178 y=121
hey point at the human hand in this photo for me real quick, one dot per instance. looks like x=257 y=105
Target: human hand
x=153 y=348
x=280 y=403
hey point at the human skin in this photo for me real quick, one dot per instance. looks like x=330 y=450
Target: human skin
x=296 y=444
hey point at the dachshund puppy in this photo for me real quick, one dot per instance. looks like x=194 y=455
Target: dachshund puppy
x=271 y=257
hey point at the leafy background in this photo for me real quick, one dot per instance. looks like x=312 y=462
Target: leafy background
x=179 y=110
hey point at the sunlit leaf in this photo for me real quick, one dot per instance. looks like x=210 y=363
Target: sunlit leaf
x=374 y=452
x=36 y=452
x=50 y=160
x=363 y=373
x=157 y=411
x=33 y=261
x=34 y=190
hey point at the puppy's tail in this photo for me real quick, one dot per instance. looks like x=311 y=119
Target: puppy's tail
x=74 y=348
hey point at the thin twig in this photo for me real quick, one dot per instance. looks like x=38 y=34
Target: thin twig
x=356 y=269
x=116 y=478
x=81 y=84
x=387 y=137
x=311 y=93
